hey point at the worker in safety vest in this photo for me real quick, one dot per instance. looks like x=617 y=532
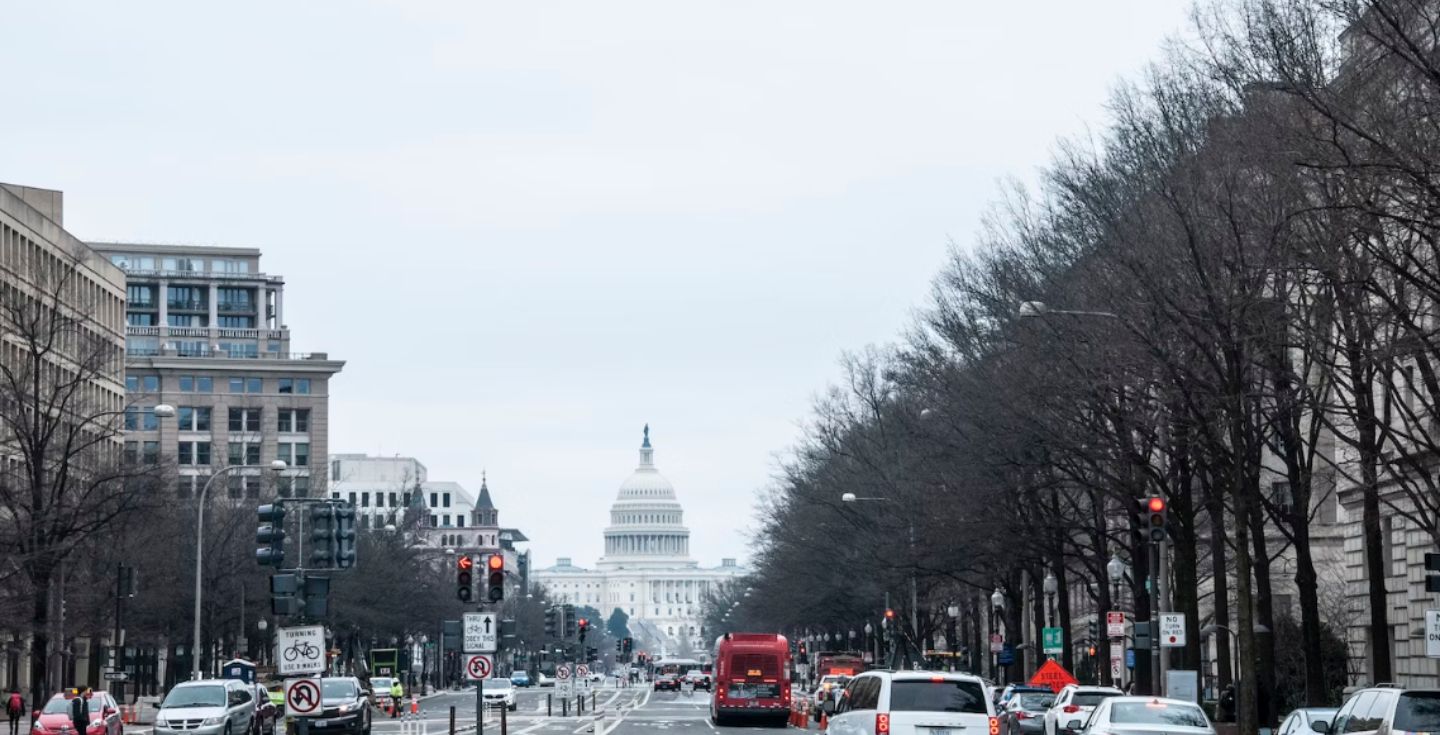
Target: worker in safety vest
x=396 y=692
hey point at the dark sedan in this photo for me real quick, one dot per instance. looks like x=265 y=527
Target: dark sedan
x=1024 y=714
x=267 y=715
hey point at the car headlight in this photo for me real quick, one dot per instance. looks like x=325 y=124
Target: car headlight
x=213 y=720
x=160 y=721
x=348 y=708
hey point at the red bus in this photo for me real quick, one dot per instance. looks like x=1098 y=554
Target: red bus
x=848 y=663
x=752 y=678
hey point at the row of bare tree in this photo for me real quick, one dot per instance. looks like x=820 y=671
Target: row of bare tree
x=1227 y=298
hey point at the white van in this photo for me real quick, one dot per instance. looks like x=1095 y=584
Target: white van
x=914 y=703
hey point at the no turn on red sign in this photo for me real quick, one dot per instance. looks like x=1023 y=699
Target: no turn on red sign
x=1172 y=630
x=478 y=666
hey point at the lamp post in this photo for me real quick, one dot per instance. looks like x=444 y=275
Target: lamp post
x=1051 y=585
x=275 y=466
x=1116 y=570
x=997 y=607
x=261 y=625
x=952 y=632
x=914 y=593
x=869 y=632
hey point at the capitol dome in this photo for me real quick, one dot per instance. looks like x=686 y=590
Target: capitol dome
x=647 y=522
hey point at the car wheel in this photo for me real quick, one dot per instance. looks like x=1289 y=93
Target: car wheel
x=227 y=728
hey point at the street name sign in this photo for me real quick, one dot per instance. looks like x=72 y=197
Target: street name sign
x=997 y=642
x=1114 y=624
x=300 y=650
x=481 y=632
x=478 y=666
x=1172 y=630
x=302 y=696
x=1432 y=633
x=1054 y=641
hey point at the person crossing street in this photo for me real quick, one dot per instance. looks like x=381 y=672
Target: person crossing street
x=14 y=706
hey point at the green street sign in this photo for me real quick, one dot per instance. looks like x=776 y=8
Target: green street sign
x=1054 y=640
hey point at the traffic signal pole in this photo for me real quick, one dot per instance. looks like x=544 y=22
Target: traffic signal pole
x=1156 y=553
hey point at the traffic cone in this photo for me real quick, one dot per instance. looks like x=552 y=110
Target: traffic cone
x=824 y=721
x=414 y=705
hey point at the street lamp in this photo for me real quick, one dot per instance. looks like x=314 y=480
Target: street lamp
x=1116 y=570
x=997 y=607
x=275 y=466
x=914 y=593
x=1034 y=309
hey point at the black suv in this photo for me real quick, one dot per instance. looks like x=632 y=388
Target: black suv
x=346 y=708
x=1388 y=709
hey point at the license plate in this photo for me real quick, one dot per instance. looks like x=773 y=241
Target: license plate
x=939 y=731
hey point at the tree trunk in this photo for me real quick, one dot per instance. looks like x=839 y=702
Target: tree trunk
x=1375 y=566
x=1264 y=616
x=1221 y=583
x=41 y=587
x=1247 y=719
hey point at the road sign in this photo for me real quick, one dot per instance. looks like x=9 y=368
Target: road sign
x=1007 y=655
x=1054 y=641
x=481 y=632
x=1117 y=664
x=582 y=671
x=562 y=672
x=1052 y=674
x=300 y=650
x=116 y=676
x=302 y=696
x=1129 y=658
x=997 y=643
x=1432 y=633
x=1172 y=630
x=478 y=666
x=1114 y=624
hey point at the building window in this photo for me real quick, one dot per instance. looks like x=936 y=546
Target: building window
x=185 y=487
x=140 y=297
x=295 y=454
x=393 y=504
x=187 y=298
x=294 y=385
x=434 y=521
x=139 y=319
x=236 y=322
x=243 y=486
x=245 y=453
x=459 y=521
x=364 y=500
x=445 y=500
x=244 y=420
x=141 y=419
x=185 y=320
x=229 y=266
x=193 y=418
x=184 y=265
x=295 y=485
x=294 y=420
x=194 y=453
x=150 y=452
x=241 y=350
x=193 y=384
x=434 y=502
x=352 y=498
x=245 y=385
x=132 y=452
x=132 y=384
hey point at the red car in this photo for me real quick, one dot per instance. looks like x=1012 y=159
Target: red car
x=667 y=683
x=54 y=719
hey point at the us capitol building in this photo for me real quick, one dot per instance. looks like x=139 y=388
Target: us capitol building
x=647 y=571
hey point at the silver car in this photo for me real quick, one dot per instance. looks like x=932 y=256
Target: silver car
x=207 y=707
x=1141 y=716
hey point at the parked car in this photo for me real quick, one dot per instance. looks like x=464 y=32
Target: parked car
x=500 y=693
x=1139 y=716
x=666 y=683
x=266 y=713
x=520 y=678
x=826 y=690
x=913 y=703
x=1307 y=720
x=1011 y=690
x=1024 y=714
x=207 y=707
x=1075 y=702
x=1389 y=709
x=54 y=717
x=344 y=708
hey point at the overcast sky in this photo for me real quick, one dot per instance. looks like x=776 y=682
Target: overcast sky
x=532 y=227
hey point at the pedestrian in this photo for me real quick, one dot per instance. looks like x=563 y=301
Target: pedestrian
x=1227 y=704
x=14 y=706
x=80 y=712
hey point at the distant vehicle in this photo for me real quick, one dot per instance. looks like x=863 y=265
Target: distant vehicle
x=343 y=708
x=54 y=718
x=207 y=707
x=698 y=679
x=520 y=678
x=752 y=678
x=380 y=691
x=1141 y=715
x=500 y=693
x=667 y=683
x=1024 y=714
x=1308 y=720
x=1388 y=709
x=1075 y=700
x=847 y=663
x=827 y=690
x=544 y=681
x=913 y=703
x=1012 y=689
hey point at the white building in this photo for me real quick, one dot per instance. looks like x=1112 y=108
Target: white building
x=647 y=571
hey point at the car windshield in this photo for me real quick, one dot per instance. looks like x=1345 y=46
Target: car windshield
x=205 y=695
x=337 y=689
x=1156 y=713
x=945 y=695
x=1417 y=712
x=1090 y=699
x=1036 y=700
x=382 y=682
x=493 y=684
x=57 y=706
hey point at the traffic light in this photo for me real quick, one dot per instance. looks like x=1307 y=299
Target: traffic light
x=629 y=645
x=322 y=535
x=464 y=580
x=592 y=654
x=1094 y=630
x=1092 y=651
x=345 y=555
x=1155 y=508
x=802 y=649
x=567 y=621
x=620 y=646
x=552 y=622
x=271 y=534
x=286 y=595
x=495 y=566
x=583 y=626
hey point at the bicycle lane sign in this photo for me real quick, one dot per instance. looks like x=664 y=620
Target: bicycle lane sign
x=300 y=650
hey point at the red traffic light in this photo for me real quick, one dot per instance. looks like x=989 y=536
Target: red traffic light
x=1092 y=650
x=584 y=623
x=1156 y=504
x=889 y=614
x=464 y=563
x=495 y=562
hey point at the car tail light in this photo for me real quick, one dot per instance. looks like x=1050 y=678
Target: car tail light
x=994 y=726
x=882 y=723
x=1022 y=715
x=1071 y=709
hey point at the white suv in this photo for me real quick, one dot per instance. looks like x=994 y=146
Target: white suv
x=914 y=703
x=1075 y=702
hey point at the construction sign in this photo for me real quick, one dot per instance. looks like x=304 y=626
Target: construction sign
x=1053 y=675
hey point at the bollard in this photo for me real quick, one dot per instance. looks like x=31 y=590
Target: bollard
x=503 y=709
x=580 y=705
x=592 y=701
x=452 y=719
x=549 y=705
x=565 y=707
